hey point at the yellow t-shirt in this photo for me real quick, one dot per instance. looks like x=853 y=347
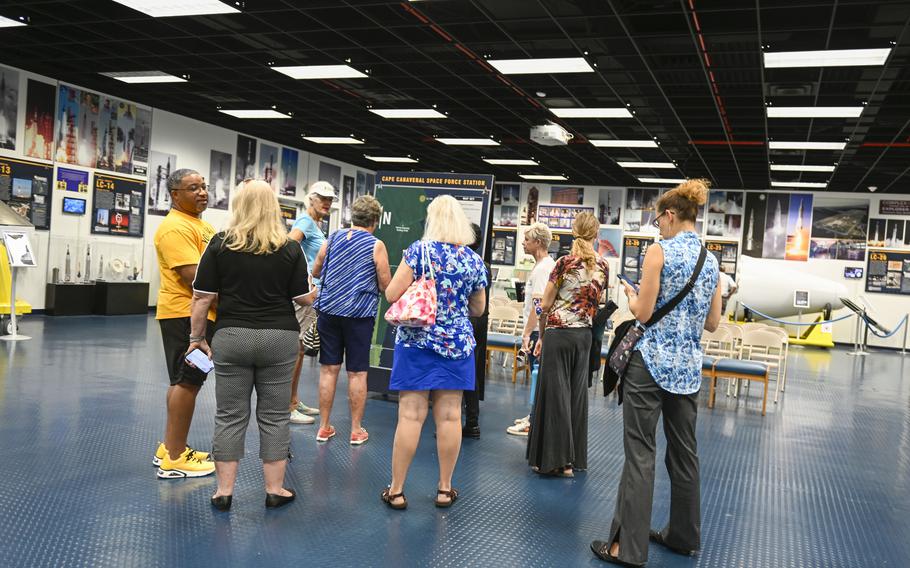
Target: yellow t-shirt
x=179 y=241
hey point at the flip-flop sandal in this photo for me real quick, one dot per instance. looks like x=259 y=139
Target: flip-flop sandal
x=387 y=498
x=452 y=494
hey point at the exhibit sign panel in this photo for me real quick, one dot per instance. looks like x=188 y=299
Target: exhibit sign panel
x=503 y=253
x=404 y=197
x=560 y=217
x=726 y=253
x=894 y=207
x=888 y=272
x=24 y=186
x=118 y=206
x=633 y=256
x=72 y=180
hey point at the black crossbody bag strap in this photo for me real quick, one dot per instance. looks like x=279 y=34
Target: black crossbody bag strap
x=668 y=307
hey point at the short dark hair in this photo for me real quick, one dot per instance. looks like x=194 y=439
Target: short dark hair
x=176 y=178
x=475 y=245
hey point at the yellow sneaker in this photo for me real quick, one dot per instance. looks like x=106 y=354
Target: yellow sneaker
x=187 y=465
x=162 y=451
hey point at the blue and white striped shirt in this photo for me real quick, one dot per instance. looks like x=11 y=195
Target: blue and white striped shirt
x=349 y=285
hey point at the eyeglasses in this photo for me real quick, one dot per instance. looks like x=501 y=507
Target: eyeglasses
x=656 y=221
x=195 y=188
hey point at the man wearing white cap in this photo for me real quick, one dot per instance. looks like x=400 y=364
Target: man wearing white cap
x=306 y=231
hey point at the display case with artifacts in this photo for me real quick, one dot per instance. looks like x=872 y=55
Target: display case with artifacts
x=83 y=260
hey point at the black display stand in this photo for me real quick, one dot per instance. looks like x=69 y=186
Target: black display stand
x=69 y=299
x=121 y=298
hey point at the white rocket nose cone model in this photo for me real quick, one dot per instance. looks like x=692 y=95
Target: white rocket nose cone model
x=768 y=286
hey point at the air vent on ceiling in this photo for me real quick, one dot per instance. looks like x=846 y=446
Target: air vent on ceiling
x=791 y=90
x=221 y=99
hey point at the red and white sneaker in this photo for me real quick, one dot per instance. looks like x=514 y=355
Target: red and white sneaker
x=325 y=433
x=359 y=437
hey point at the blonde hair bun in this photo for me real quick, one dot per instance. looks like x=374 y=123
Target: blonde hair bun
x=694 y=190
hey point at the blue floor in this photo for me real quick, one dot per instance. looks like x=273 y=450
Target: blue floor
x=823 y=480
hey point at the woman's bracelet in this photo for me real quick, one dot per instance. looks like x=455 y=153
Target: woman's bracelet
x=194 y=339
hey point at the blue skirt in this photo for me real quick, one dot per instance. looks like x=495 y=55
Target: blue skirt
x=416 y=369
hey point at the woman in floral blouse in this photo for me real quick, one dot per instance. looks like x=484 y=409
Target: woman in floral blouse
x=558 y=441
x=437 y=358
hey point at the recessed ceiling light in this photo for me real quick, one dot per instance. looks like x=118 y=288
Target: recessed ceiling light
x=543 y=177
x=807 y=145
x=541 y=66
x=618 y=112
x=787 y=168
x=624 y=143
x=333 y=139
x=508 y=162
x=255 y=113
x=10 y=23
x=662 y=180
x=827 y=58
x=814 y=112
x=804 y=184
x=166 y=8
x=144 y=77
x=397 y=159
x=468 y=141
x=320 y=72
x=652 y=165
x=407 y=112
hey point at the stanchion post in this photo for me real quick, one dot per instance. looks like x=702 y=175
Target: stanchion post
x=904 y=344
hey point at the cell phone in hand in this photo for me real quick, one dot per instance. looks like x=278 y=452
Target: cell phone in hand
x=200 y=360
x=626 y=279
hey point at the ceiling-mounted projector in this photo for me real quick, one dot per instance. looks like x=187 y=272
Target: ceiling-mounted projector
x=550 y=135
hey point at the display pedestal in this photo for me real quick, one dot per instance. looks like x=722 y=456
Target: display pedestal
x=64 y=299
x=121 y=298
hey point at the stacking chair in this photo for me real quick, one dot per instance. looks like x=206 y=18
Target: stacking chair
x=757 y=349
x=785 y=356
x=718 y=344
x=750 y=325
x=505 y=336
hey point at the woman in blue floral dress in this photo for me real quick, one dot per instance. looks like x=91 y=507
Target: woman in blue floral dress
x=438 y=358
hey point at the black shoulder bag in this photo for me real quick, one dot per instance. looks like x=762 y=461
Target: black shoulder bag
x=628 y=334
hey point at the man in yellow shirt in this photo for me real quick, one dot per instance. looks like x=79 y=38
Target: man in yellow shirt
x=179 y=243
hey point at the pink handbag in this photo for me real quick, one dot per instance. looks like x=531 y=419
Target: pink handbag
x=417 y=306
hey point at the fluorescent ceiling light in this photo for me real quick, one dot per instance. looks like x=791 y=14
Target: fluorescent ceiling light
x=407 y=112
x=827 y=58
x=806 y=184
x=662 y=180
x=508 y=162
x=786 y=168
x=652 y=165
x=320 y=72
x=398 y=159
x=624 y=143
x=10 y=23
x=144 y=77
x=814 y=112
x=807 y=145
x=165 y=8
x=255 y=113
x=333 y=139
x=619 y=112
x=468 y=141
x=541 y=66
x=543 y=177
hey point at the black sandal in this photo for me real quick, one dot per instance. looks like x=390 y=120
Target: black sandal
x=387 y=498
x=601 y=549
x=657 y=537
x=452 y=494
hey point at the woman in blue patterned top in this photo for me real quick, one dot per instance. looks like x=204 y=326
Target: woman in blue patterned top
x=438 y=358
x=664 y=377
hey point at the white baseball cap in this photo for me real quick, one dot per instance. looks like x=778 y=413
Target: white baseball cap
x=323 y=189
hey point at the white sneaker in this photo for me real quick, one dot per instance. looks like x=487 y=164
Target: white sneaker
x=300 y=418
x=526 y=419
x=521 y=429
x=309 y=411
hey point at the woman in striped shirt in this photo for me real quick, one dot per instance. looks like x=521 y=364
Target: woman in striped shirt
x=353 y=267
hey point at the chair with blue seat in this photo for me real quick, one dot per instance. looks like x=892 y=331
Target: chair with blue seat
x=753 y=366
x=717 y=344
x=504 y=336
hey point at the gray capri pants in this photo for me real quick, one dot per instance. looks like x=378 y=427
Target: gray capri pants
x=246 y=359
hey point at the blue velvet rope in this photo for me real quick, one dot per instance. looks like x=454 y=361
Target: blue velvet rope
x=766 y=316
x=893 y=331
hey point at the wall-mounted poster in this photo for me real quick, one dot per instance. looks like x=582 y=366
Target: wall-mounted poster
x=124 y=133
x=640 y=212
x=776 y=219
x=633 y=256
x=505 y=215
x=560 y=246
x=288 y=182
x=347 y=199
x=839 y=228
x=71 y=180
x=160 y=166
x=9 y=107
x=567 y=195
x=268 y=165
x=888 y=272
x=25 y=187
x=365 y=184
x=888 y=233
x=506 y=194
x=754 y=224
x=724 y=218
x=77 y=126
x=118 y=206
x=39 y=120
x=559 y=216
x=246 y=159
x=530 y=215
x=330 y=173
x=503 y=250
x=799 y=225
x=609 y=207
x=289 y=214
x=726 y=253
x=219 y=180
x=609 y=243
x=894 y=207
